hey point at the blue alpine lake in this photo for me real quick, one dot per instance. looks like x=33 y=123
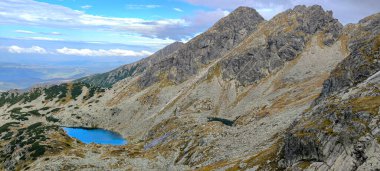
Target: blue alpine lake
x=95 y=135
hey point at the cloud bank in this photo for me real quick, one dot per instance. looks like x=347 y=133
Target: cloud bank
x=24 y=32
x=79 y=52
x=33 y=13
x=86 y=6
x=33 y=49
x=29 y=12
x=102 y=52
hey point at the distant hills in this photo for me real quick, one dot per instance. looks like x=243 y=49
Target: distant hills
x=17 y=76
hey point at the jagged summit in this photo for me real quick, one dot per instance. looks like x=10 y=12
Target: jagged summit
x=204 y=49
x=240 y=17
x=279 y=40
x=221 y=37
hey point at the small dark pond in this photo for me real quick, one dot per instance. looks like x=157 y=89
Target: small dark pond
x=97 y=136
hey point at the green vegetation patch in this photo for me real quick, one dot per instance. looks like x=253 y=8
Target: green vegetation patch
x=5 y=127
x=35 y=113
x=16 y=110
x=76 y=90
x=52 y=119
x=55 y=110
x=54 y=91
x=18 y=115
x=106 y=80
x=92 y=91
x=37 y=150
x=32 y=95
x=12 y=98
x=45 y=108
x=30 y=140
x=7 y=136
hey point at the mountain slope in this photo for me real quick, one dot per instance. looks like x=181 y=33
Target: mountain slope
x=109 y=78
x=342 y=129
x=298 y=91
x=205 y=48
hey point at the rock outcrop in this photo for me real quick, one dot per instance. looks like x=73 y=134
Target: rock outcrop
x=363 y=61
x=278 y=41
x=340 y=132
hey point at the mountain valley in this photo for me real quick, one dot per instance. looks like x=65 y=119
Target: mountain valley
x=297 y=92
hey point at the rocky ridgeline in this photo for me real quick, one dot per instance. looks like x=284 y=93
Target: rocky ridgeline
x=284 y=37
x=205 y=48
x=299 y=91
x=341 y=131
x=363 y=61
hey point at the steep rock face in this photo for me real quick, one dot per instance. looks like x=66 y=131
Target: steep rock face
x=109 y=78
x=363 y=61
x=283 y=38
x=219 y=39
x=340 y=131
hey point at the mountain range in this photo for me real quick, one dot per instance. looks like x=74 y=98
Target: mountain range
x=297 y=92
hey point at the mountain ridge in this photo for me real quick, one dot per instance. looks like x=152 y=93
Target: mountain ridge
x=109 y=78
x=246 y=94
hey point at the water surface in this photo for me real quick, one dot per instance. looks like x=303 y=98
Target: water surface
x=97 y=136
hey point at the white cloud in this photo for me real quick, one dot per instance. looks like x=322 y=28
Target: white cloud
x=41 y=33
x=24 y=31
x=178 y=9
x=29 y=12
x=151 y=6
x=44 y=38
x=86 y=6
x=102 y=52
x=55 y=33
x=33 y=49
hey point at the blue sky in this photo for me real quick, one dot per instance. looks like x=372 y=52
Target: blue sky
x=86 y=24
x=98 y=35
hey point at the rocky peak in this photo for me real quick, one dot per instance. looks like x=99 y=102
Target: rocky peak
x=279 y=40
x=240 y=18
x=314 y=18
x=205 y=48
